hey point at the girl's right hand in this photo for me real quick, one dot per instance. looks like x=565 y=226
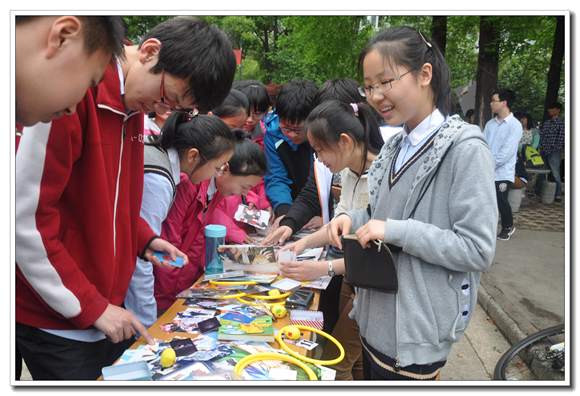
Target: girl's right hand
x=338 y=227
x=278 y=236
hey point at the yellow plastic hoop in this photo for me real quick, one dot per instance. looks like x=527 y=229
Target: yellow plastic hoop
x=257 y=305
x=234 y=296
x=269 y=297
x=313 y=361
x=271 y=356
x=213 y=282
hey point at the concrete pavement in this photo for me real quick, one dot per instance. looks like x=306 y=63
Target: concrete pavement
x=522 y=292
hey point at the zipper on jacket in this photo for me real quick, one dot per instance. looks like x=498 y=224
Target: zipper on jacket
x=125 y=120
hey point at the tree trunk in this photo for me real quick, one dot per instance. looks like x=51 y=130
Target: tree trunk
x=487 y=69
x=555 y=67
x=439 y=32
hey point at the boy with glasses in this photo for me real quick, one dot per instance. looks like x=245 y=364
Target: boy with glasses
x=257 y=95
x=79 y=191
x=289 y=154
x=503 y=134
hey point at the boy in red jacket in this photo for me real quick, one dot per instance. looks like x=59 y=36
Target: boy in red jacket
x=79 y=191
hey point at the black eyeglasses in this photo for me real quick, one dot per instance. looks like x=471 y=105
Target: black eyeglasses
x=297 y=130
x=380 y=87
x=162 y=105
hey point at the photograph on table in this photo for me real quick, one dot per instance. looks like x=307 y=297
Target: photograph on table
x=249 y=258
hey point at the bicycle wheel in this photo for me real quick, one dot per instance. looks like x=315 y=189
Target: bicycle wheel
x=533 y=358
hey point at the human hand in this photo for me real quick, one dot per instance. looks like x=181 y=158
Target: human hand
x=161 y=245
x=118 y=324
x=248 y=239
x=374 y=229
x=276 y=224
x=336 y=228
x=314 y=223
x=297 y=247
x=278 y=237
x=271 y=219
x=303 y=270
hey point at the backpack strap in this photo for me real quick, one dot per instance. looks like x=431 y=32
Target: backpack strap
x=156 y=160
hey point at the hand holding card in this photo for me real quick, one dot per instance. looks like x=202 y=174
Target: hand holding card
x=166 y=257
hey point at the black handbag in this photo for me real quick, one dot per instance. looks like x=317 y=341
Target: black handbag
x=371 y=268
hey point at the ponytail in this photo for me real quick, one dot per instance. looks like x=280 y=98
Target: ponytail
x=249 y=158
x=206 y=133
x=332 y=118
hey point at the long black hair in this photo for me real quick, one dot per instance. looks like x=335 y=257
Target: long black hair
x=234 y=104
x=206 y=133
x=249 y=158
x=328 y=121
x=408 y=47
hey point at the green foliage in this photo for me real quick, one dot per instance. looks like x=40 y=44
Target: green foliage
x=280 y=48
x=251 y=71
x=320 y=47
x=139 y=25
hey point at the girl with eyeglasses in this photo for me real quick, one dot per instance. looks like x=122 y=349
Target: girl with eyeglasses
x=259 y=100
x=199 y=205
x=193 y=148
x=346 y=138
x=432 y=199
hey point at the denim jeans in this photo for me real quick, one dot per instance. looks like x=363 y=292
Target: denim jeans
x=553 y=160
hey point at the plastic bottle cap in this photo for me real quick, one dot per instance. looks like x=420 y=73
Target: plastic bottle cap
x=215 y=231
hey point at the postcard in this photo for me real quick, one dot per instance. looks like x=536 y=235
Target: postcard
x=286 y=284
x=252 y=216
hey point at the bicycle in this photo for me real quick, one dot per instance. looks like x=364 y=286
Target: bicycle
x=539 y=356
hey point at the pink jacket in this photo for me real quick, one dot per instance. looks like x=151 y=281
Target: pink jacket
x=184 y=227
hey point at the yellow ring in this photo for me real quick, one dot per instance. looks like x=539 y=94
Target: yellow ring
x=235 y=296
x=313 y=361
x=213 y=282
x=270 y=297
x=272 y=356
x=257 y=305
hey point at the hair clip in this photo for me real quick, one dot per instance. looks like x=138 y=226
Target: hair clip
x=355 y=108
x=193 y=113
x=428 y=44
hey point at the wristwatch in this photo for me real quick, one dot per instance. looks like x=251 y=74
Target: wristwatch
x=330 y=269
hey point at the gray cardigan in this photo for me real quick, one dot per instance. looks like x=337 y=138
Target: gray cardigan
x=445 y=246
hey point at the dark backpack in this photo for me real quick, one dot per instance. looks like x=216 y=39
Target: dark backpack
x=532 y=158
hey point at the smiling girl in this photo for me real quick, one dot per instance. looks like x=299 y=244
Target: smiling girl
x=432 y=198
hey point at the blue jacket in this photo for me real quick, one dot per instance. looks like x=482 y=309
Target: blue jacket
x=288 y=165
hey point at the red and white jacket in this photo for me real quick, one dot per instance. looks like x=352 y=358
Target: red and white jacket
x=79 y=184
